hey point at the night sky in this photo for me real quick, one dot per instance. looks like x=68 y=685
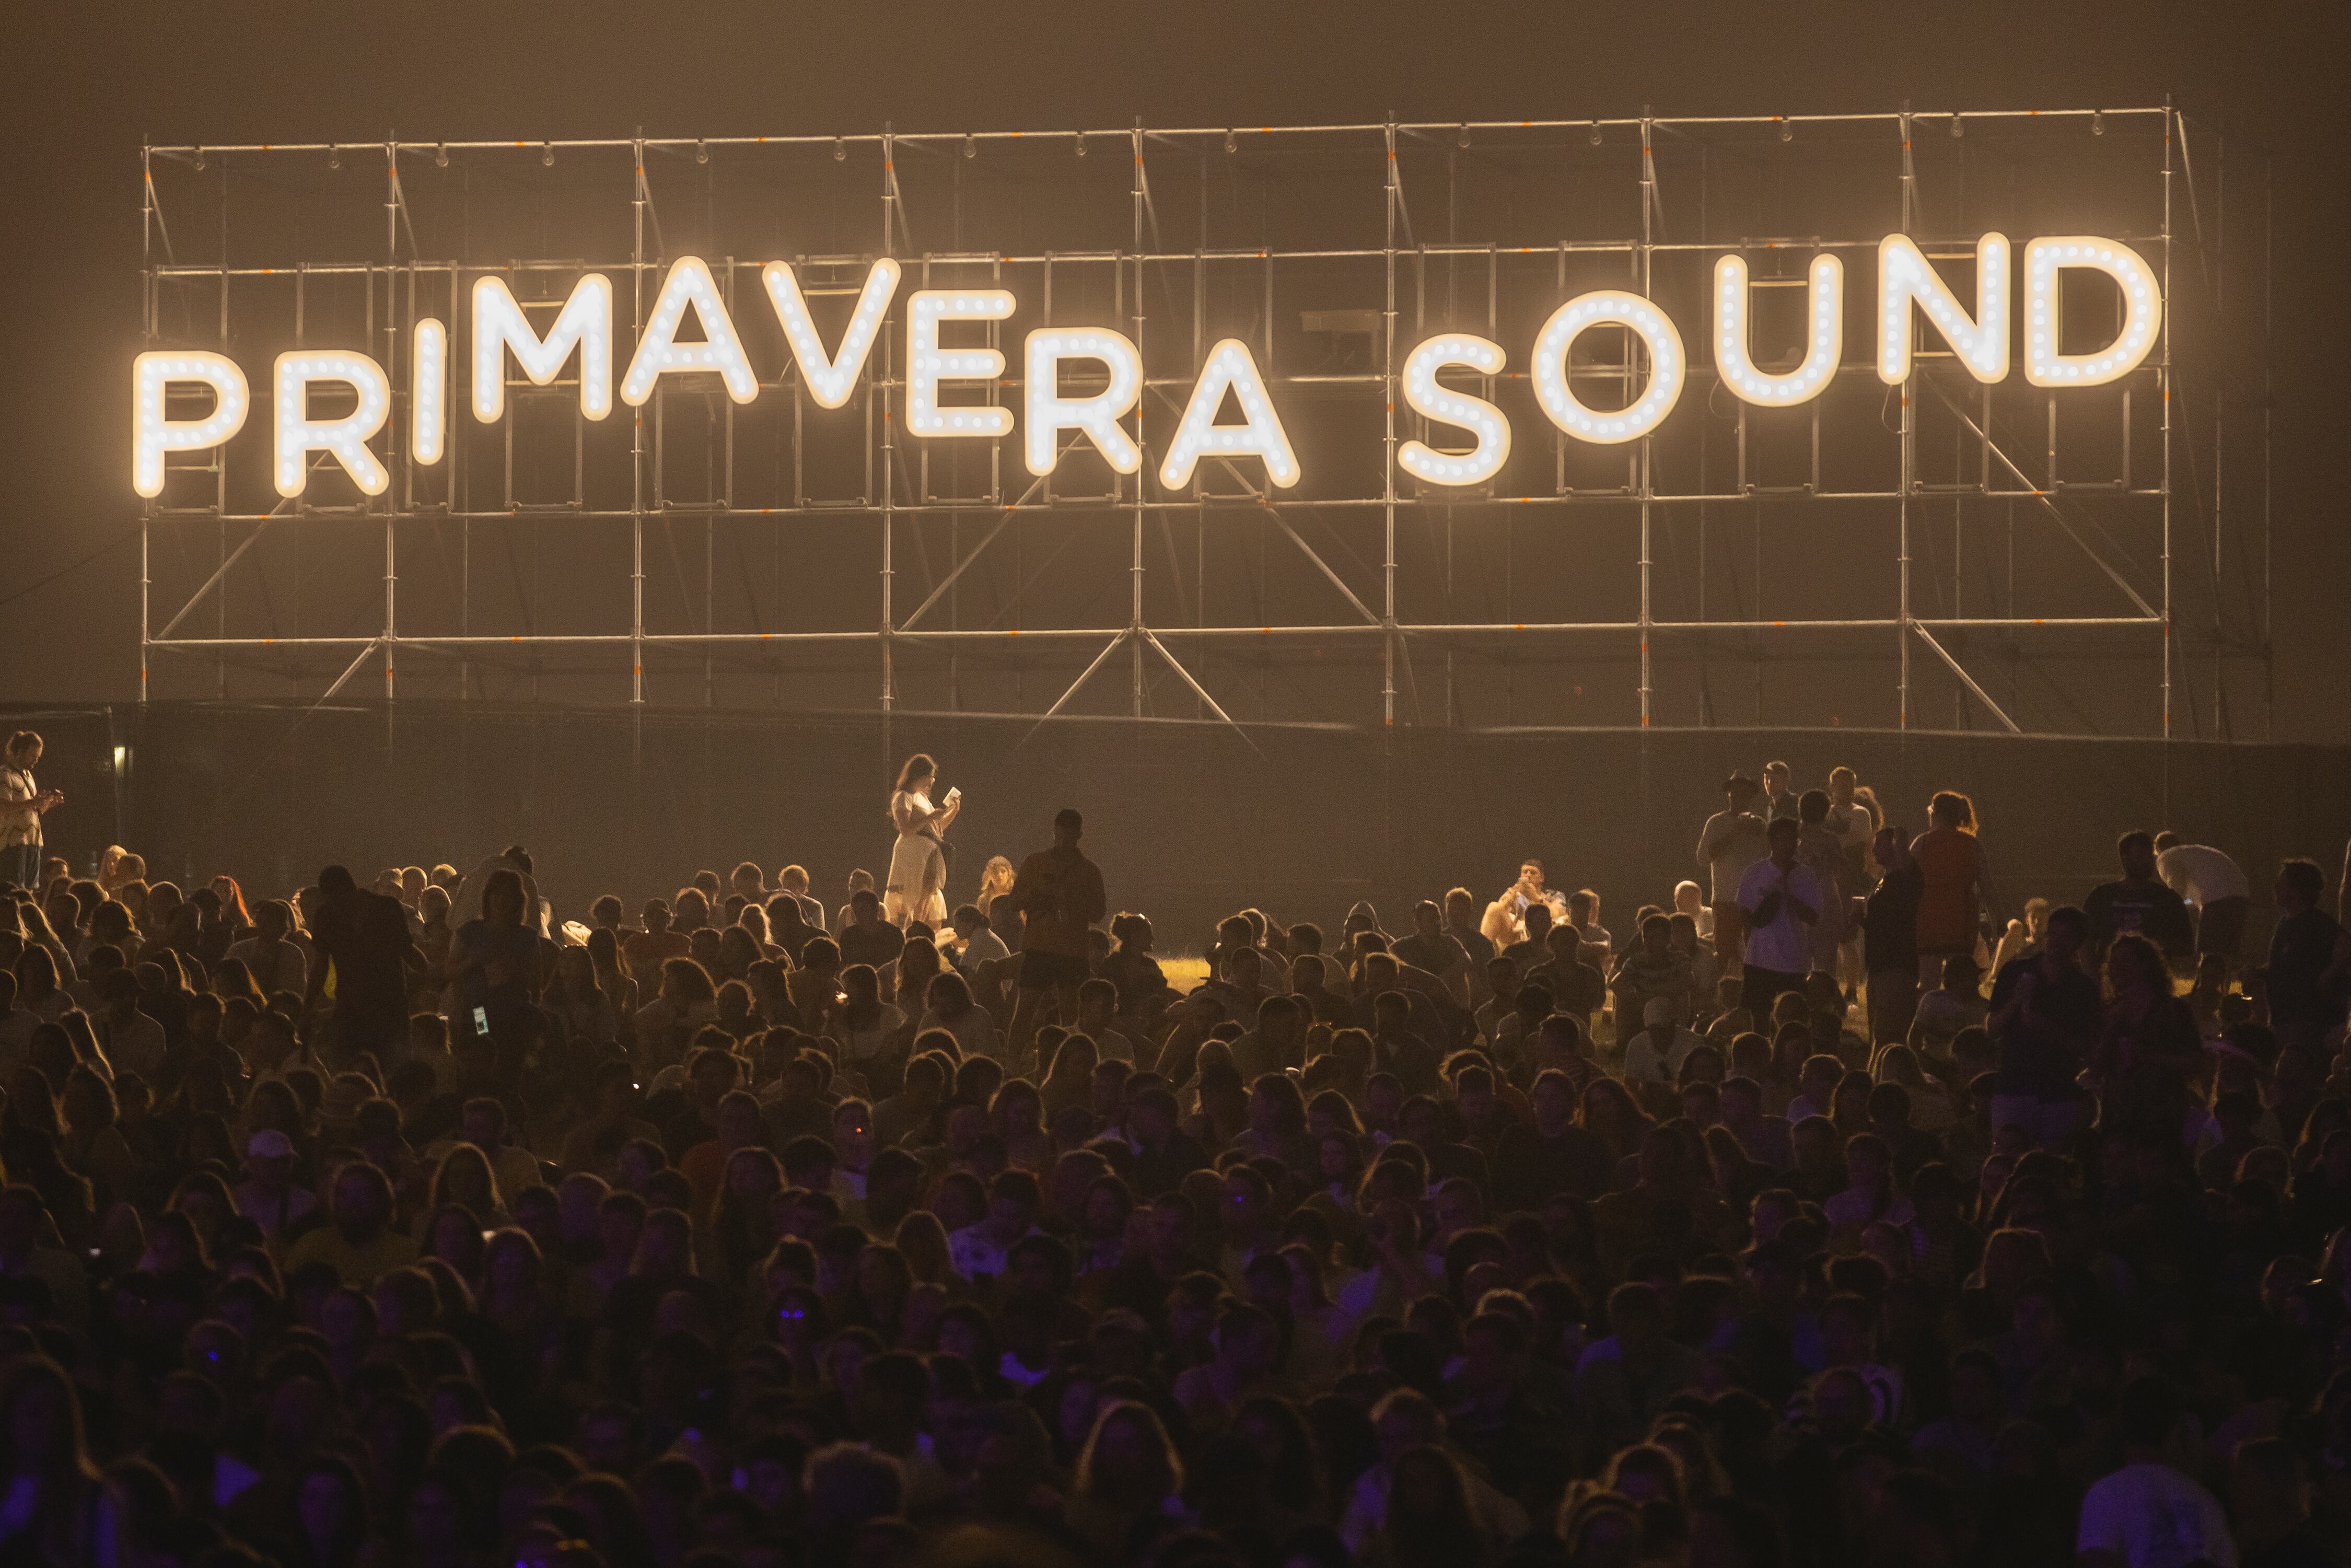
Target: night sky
x=85 y=90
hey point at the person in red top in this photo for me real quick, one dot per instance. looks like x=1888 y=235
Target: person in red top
x=1059 y=894
x=1951 y=881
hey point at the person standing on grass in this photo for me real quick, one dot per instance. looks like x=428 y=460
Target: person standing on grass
x=1781 y=901
x=1059 y=893
x=1731 y=841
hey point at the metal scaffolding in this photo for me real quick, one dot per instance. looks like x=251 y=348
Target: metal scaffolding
x=2004 y=530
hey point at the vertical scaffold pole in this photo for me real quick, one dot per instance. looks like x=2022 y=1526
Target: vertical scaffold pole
x=636 y=440
x=1134 y=636
x=2169 y=124
x=889 y=446
x=394 y=439
x=1649 y=208
x=1388 y=449
x=147 y=329
x=1909 y=444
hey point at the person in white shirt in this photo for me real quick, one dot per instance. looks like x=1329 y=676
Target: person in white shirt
x=1654 y=1054
x=1097 y=1020
x=1779 y=901
x=1690 y=899
x=133 y=1041
x=22 y=804
x=2214 y=885
x=270 y=1196
x=1731 y=841
x=979 y=944
x=2148 y=1514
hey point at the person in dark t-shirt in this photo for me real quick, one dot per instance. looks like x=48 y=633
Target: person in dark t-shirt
x=2139 y=902
x=2309 y=960
x=2046 y=1015
x=1889 y=937
x=868 y=938
x=362 y=938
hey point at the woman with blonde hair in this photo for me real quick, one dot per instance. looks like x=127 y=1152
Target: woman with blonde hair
x=918 y=862
x=995 y=881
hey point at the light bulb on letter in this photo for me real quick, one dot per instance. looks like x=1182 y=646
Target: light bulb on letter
x=344 y=439
x=1427 y=396
x=831 y=377
x=2045 y=259
x=584 y=323
x=428 y=398
x=1904 y=274
x=1230 y=366
x=927 y=365
x=152 y=434
x=659 y=353
x=1046 y=412
x=1608 y=308
x=1823 y=335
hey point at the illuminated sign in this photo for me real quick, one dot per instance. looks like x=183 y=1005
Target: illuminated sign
x=1910 y=289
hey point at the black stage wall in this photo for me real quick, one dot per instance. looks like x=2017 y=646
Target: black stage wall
x=1187 y=820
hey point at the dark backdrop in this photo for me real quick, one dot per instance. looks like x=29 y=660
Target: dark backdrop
x=1188 y=821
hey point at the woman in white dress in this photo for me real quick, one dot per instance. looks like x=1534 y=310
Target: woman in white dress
x=918 y=865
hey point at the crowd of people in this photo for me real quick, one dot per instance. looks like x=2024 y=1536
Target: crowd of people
x=1824 y=1215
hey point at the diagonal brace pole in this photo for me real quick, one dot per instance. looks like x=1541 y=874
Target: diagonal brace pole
x=1113 y=646
x=970 y=557
x=1966 y=679
x=2043 y=497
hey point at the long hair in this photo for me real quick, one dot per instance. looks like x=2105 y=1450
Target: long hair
x=687 y=982
x=1957 y=809
x=465 y=1155
x=69 y=1452
x=1159 y=1472
x=918 y=766
x=232 y=902
x=505 y=887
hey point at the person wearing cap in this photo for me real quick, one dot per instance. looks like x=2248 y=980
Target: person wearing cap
x=270 y=1196
x=1653 y=1054
x=338 y=1108
x=1731 y=841
x=642 y=953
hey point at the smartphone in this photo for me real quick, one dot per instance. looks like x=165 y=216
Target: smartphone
x=481 y=1020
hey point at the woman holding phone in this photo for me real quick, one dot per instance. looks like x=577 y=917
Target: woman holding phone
x=918 y=864
x=22 y=803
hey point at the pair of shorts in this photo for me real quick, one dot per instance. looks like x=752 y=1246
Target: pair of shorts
x=1760 y=987
x=1893 y=1003
x=1053 y=972
x=2221 y=928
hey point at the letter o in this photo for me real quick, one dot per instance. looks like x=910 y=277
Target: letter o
x=1605 y=307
